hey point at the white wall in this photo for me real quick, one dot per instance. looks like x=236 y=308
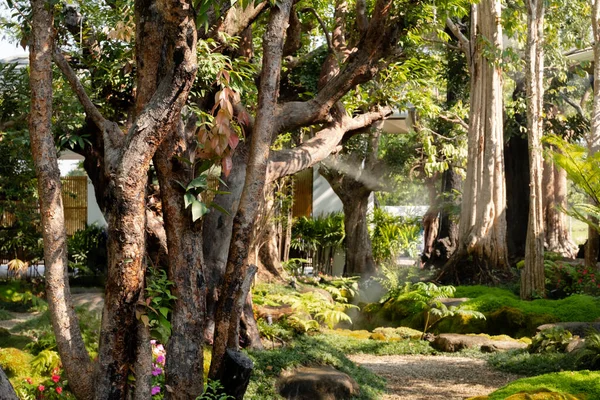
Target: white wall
x=325 y=200
x=94 y=215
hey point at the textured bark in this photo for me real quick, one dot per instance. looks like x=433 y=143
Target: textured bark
x=431 y=219
x=353 y=180
x=75 y=359
x=482 y=233
x=184 y=369
x=533 y=276
x=143 y=363
x=6 y=390
x=593 y=245
x=447 y=236
x=228 y=314
x=558 y=237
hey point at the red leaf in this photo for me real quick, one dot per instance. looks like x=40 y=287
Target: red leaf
x=234 y=140
x=227 y=165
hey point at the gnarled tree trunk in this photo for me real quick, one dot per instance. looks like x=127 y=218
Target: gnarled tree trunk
x=74 y=356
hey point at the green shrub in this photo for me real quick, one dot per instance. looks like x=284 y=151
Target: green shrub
x=522 y=362
x=393 y=236
x=16 y=341
x=550 y=340
x=308 y=351
x=588 y=357
x=584 y=383
x=16 y=363
x=87 y=251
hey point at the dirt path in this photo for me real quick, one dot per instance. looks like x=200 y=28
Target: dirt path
x=434 y=377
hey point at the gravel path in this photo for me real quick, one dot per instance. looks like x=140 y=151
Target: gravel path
x=434 y=377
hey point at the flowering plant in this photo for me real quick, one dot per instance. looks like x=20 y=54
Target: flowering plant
x=49 y=389
x=564 y=279
x=158 y=374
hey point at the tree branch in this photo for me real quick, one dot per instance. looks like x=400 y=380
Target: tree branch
x=108 y=128
x=362 y=21
x=290 y=161
x=464 y=43
x=323 y=26
x=455 y=120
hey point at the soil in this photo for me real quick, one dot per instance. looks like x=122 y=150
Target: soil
x=434 y=377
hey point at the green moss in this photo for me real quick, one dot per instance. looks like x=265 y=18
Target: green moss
x=15 y=363
x=580 y=383
x=479 y=290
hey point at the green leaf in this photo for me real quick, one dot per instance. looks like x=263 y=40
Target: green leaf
x=199 y=182
x=183 y=160
x=164 y=311
x=188 y=199
x=219 y=208
x=199 y=209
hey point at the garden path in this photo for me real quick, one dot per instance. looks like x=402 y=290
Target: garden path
x=420 y=377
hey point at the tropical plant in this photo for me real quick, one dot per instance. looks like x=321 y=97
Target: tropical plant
x=159 y=304
x=588 y=357
x=87 y=251
x=583 y=169
x=393 y=236
x=550 y=340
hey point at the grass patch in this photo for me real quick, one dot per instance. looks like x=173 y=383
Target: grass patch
x=583 y=383
x=521 y=362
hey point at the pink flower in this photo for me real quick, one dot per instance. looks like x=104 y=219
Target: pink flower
x=157 y=371
x=585 y=271
x=28 y=380
x=160 y=359
x=580 y=280
x=59 y=390
x=155 y=390
x=55 y=378
x=41 y=388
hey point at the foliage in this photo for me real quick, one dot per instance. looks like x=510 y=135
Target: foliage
x=52 y=388
x=565 y=278
x=87 y=251
x=212 y=391
x=583 y=169
x=15 y=341
x=524 y=363
x=550 y=340
x=318 y=238
x=308 y=351
x=158 y=374
x=588 y=357
x=159 y=305
x=393 y=236
x=15 y=362
x=21 y=296
x=576 y=383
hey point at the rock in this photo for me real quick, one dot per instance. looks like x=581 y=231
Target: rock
x=452 y=342
x=576 y=328
x=575 y=344
x=453 y=301
x=322 y=383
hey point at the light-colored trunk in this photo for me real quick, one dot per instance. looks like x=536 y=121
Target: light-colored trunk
x=593 y=244
x=556 y=229
x=74 y=357
x=482 y=232
x=532 y=277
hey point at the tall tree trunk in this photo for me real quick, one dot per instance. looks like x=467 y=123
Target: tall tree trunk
x=593 y=244
x=74 y=356
x=6 y=390
x=482 y=232
x=185 y=367
x=533 y=278
x=228 y=312
x=558 y=237
x=359 y=252
x=447 y=236
x=431 y=219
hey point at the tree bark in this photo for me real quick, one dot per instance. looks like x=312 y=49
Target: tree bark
x=558 y=238
x=482 y=233
x=593 y=245
x=517 y=193
x=447 y=236
x=184 y=368
x=533 y=282
x=74 y=356
x=228 y=313
x=359 y=252
x=6 y=390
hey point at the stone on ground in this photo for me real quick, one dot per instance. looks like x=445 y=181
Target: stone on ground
x=576 y=328
x=453 y=342
x=318 y=383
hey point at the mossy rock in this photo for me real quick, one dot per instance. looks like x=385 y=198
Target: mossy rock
x=378 y=336
x=399 y=333
x=357 y=334
x=15 y=363
x=461 y=324
x=515 y=323
x=577 y=384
